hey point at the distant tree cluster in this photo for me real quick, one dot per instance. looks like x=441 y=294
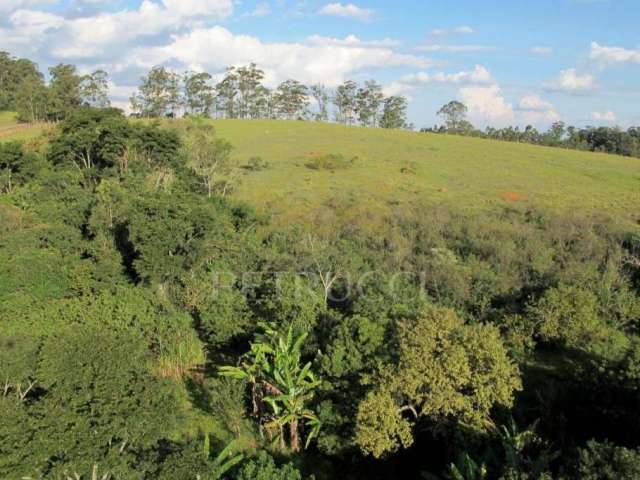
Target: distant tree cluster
x=241 y=94
x=23 y=89
x=596 y=139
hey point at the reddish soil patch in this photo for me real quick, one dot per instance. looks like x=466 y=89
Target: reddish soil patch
x=314 y=154
x=513 y=197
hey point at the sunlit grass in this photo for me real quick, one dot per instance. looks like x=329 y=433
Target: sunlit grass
x=396 y=169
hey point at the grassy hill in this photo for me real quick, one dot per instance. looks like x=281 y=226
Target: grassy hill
x=385 y=170
x=395 y=169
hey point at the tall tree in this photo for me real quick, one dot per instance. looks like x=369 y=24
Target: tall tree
x=368 y=102
x=198 y=93
x=345 y=102
x=321 y=96
x=454 y=114
x=65 y=93
x=394 y=114
x=158 y=95
x=13 y=73
x=249 y=81
x=94 y=89
x=209 y=158
x=31 y=101
x=227 y=92
x=292 y=99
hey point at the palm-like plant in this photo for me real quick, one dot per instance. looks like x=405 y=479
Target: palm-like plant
x=278 y=379
x=224 y=461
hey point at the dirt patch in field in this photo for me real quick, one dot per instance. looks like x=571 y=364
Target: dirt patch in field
x=314 y=154
x=513 y=197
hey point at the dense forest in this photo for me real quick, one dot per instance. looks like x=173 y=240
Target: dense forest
x=152 y=327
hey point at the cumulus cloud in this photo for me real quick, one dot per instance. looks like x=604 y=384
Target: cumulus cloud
x=614 y=55
x=346 y=10
x=533 y=109
x=216 y=47
x=7 y=6
x=534 y=103
x=485 y=103
x=478 y=76
x=607 y=116
x=571 y=81
x=106 y=35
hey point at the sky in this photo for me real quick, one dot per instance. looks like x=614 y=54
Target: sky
x=512 y=62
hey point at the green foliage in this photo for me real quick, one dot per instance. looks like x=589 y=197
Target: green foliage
x=121 y=285
x=263 y=467
x=446 y=371
x=570 y=315
x=91 y=139
x=256 y=164
x=467 y=469
x=331 y=161
x=279 y=380
x=605 y=461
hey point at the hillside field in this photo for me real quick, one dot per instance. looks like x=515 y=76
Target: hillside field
x=394 y=169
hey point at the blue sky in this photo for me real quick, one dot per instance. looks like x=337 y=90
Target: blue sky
x=511 y=62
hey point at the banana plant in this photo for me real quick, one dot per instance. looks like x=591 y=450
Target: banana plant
x=225 y=460
x=273 y=367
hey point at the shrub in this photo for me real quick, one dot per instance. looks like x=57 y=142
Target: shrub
x=331 y=161
x=256 y=164
x=605 y=461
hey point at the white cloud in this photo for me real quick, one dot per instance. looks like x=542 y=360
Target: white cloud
x=540 y=51
x=486 y=104
x=571 y=81
x=439 y=32
x=108 y=34
x=347 y=10
x=454 y=48
x=464 y=30
x=534 y=103
x=534 y=110
x=7 y=6
x=478 y=76
x=33 y=22
x=212 y=9
x=461 y=30
x=262 y=10
x=607 y=116
x=350 y=41
x=613 y=55
x=216 y=47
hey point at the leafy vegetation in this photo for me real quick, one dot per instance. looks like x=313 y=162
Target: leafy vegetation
x=189 y=299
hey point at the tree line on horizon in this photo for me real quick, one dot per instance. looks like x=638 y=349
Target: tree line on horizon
x=241 y=94
x=559 y=134
x=163 y=92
